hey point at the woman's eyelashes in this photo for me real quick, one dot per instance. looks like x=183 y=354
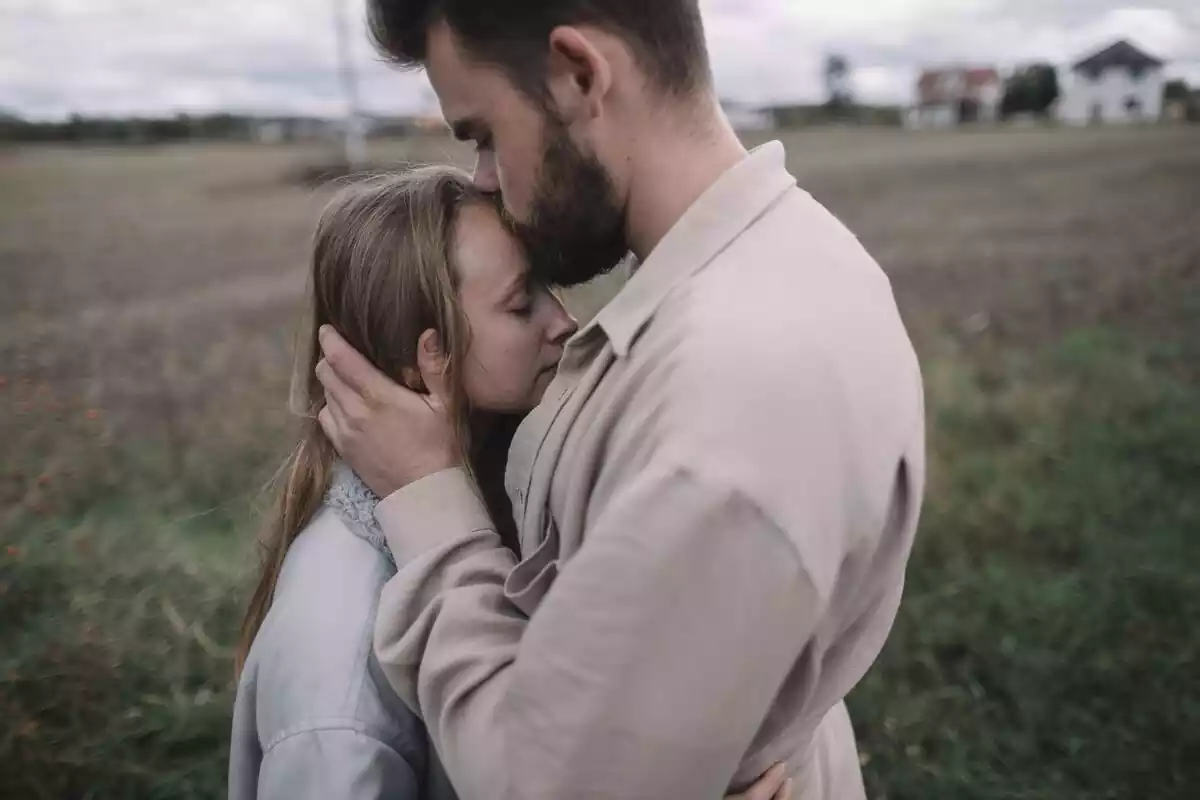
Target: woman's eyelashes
x=522 y=308
x=524 y=302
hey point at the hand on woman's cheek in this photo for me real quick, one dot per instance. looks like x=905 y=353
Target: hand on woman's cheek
x=387 y=433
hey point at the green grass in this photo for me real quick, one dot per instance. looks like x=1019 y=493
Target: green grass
x=1049 y=640
x=114 y=662
x=1047 y=646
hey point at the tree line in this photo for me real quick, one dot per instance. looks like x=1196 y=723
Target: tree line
x=1031 y=89
x=127 y=130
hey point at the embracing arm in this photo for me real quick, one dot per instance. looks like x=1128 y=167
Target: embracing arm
x=649 y=666
x=647 y=669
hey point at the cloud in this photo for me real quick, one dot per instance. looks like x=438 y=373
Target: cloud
x=279 y=56
x=142 y=56
x=888 y=47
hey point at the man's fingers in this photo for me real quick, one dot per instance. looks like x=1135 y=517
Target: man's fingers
x=770 y=783
x=354 y=370
x=337 y=413
x=769 y=787
x=785 y=793
x=328 y=423
x=348 y=402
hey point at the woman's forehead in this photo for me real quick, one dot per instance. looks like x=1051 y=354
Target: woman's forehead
x=486 y=254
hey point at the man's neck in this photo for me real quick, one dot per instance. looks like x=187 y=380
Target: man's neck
x=670 y=171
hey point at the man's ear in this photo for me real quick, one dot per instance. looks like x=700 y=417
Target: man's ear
x=580 y=72
x=432 y=363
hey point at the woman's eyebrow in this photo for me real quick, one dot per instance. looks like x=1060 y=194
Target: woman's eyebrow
x=518 y=284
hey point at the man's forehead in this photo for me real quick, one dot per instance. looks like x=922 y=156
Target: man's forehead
x=454 y=76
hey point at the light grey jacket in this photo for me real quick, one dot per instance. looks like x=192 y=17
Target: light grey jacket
x=314 y=717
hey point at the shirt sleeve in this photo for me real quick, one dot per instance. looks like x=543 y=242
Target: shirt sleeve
x=648 y=667
x=336 y=762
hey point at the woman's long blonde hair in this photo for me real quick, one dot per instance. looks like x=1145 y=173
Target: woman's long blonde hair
x=382 y=273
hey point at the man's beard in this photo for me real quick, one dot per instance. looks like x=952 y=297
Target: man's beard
x=576 y=229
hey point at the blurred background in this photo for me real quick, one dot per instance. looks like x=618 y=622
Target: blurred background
x=1028 y=174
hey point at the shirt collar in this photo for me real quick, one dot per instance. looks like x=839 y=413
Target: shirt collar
x=723 y=212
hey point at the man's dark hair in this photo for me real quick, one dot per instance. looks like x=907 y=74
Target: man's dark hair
x=665 y=36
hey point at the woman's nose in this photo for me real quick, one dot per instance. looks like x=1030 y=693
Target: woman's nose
x=563 y=326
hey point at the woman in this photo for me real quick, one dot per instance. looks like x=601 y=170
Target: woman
x=419 y=274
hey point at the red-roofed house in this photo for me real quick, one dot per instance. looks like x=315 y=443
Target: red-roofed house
x=954 y=95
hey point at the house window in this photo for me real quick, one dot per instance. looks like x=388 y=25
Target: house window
x=1133 y=107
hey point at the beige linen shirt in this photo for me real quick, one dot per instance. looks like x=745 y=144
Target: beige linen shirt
x=716 y=502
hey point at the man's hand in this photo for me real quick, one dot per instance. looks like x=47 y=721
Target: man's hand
x=773 y=785
x=388 y=434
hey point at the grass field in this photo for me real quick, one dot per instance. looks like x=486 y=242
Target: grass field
x=1049 y=639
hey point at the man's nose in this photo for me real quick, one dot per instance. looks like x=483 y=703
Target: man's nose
x=486 y=178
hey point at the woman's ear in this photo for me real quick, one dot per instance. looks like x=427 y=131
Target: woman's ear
x=412 y=379
x=432 y=363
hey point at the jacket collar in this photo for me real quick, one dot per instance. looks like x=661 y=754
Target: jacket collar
x=354 y=503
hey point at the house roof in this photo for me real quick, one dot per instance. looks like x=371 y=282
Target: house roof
x=1118 y=54
x=949 y=84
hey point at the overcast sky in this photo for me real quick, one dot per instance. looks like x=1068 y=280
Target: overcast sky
x=278 y=56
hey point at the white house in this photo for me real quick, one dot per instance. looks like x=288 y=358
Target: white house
x=1118 y=84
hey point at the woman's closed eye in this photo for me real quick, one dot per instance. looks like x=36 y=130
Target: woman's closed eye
x=523 y=302
x=522 y=308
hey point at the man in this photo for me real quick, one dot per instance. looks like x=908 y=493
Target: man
x=716 y=499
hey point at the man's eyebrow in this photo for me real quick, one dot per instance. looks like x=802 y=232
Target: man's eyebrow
x=467 y=128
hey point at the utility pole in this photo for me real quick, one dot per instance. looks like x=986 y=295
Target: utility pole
x=353 y=140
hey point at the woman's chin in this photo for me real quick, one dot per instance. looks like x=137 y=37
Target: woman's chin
x=543 y=383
